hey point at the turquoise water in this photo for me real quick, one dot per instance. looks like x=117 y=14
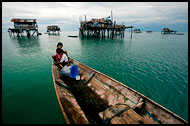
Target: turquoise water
x=156 y=65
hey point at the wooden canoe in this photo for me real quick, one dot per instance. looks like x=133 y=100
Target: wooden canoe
x=72 y=36
x=99 y=99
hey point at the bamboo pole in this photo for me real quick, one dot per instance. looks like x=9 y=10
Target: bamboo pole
x=111 y=16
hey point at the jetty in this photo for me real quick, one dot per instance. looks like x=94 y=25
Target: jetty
x=53 y=29
x=103 y=27
x=29 y=26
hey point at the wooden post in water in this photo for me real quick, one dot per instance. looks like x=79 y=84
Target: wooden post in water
x=113 y=29
x=108 y=33
x=123 y=32
x=104 y=32
x=37 y=29
x=28 y=33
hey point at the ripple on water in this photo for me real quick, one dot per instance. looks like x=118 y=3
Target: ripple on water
x=148 y=63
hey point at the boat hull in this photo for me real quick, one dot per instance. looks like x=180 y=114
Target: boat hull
x=101 y=94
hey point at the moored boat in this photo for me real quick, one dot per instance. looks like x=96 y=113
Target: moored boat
x=72 y=36
x=99 y=99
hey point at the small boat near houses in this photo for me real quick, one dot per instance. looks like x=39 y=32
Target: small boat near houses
x=74 y=36
x=95 y=98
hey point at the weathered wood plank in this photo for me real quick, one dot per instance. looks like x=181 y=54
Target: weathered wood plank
x=132 y=117
x=108 y=93
x=110 y=112
x=113 y=97
x=113 y=92
x=118 y=87
x=161 y=115
x=127 y=117
x=70 y=108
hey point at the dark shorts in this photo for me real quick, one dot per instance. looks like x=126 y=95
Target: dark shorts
x=59 y=65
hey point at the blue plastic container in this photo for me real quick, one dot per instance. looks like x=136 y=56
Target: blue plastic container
x=70 y=71
x=73 y=71
x=95 y=24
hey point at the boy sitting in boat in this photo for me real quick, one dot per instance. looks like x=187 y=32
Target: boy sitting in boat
x=60 y=58
x=64 y=59
x=62 y=62
x=59 y=45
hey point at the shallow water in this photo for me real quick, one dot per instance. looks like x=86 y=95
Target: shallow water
x=156 y=65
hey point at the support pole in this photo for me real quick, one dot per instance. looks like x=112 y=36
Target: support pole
x=108 y=33
x=33 y=33
x=28 y=33
x=123 y=32
x=18 y=34
x=111 y=16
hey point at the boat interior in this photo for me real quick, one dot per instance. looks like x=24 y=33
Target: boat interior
x=99 y=99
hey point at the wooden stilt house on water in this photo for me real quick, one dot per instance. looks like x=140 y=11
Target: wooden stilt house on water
x=101 y=27
x=148 y=31
x=168 y=31
x=53 y=29
x=24 y=25
x=137 y=30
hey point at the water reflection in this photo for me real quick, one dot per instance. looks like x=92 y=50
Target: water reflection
x=54 y=34
x=97 y=52
x=90 y=40
x=26 y=44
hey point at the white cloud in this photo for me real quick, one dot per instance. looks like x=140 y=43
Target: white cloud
x=68 y=13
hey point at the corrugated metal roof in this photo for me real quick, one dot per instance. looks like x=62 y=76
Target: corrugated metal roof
x=23 y=20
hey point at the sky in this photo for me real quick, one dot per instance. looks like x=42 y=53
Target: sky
x=152 y=16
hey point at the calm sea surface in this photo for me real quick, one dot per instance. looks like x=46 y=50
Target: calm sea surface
x=156 y=65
